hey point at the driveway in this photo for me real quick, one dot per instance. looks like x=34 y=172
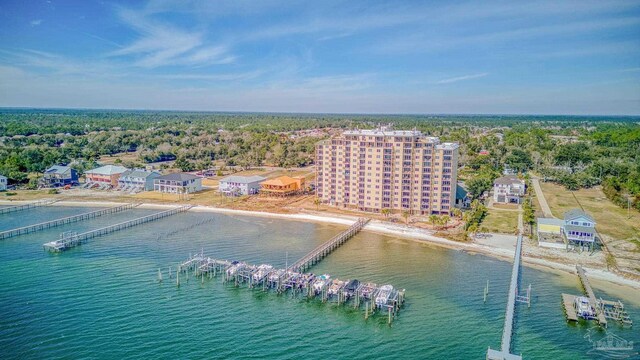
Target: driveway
x=543 y=202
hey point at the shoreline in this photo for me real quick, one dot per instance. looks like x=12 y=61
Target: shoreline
x=402 y=231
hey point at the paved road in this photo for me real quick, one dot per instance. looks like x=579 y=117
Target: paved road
x=543 y=202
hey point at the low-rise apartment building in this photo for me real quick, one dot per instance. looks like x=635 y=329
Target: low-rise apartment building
x=177 y=183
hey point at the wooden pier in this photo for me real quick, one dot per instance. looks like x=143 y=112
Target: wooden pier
x=507 y=331
x=66 y=220
x=604 y=309
x=71 y=239
x=384 y=299
x=32 y=205
x=320 y=252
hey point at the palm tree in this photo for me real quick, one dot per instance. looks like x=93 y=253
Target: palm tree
x=385 y=212
x=316 y=202
x=433 y=219
x=473 y=229
x=406 y=215
x=457 y=212
x=444 y=220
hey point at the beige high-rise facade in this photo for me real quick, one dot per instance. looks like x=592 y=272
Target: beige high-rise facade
x=371 y=170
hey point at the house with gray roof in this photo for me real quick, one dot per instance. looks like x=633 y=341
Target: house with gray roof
x=177 y=183
x=59 y=175
x=240 y=185
x=137 y=180
x=579 y=227
x=508 y=190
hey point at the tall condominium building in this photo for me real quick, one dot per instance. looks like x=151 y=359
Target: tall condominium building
x=371 y=170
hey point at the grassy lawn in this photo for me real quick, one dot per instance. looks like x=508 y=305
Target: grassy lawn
x=611 y=219
x=498 y=221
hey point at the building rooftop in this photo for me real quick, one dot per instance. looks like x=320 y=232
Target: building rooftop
x=243 y=179
x=383 y=132
x=281 y=181
x=577 y=213
x=508 y=180
x=447 y=146
x=57 y=169
x=177 y=177
x=138 y=173
x=108 y=170
x=548 y=221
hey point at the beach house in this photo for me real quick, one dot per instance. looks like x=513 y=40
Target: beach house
x=579 y=228
x=508 y=190
x=283 y=186
x=177 y=183
x=57 y=176
x=240 y=185
x=3 y=183
x=137 y=180
x=105 y=176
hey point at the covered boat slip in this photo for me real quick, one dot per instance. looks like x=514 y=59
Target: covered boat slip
x=385 y=298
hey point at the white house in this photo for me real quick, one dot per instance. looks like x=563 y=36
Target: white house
x=137 y=180
x=508 y=190
x=177 y=183
x=3 y=183
x=240 y=185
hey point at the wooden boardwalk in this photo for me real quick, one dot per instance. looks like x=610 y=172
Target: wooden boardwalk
x=593 y=301
x=32 y=205
x=66 y=220
x=317 y=254
x=68 y=241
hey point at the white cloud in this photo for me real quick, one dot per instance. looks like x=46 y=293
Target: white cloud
x=163 y=45
x=35 y=22
x=461 y=78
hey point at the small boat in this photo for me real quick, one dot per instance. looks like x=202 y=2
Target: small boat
x=275 y=276
x=320 y=282
x=383 y=295
x=262 y=271
x=233 y=269
x=351 y=288
x=367 y=290
x=583 y=308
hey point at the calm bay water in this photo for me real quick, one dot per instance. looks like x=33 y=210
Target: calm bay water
x=102 y=300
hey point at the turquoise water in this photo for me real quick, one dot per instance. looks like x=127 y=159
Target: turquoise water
x=102 y=299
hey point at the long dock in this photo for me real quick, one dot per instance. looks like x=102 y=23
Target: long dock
x=32 y=205
x=320 y=252
x=507 y=331
x=384 y=299
x=71 y=239
x=66 y=220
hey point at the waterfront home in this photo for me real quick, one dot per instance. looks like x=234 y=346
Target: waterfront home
x=137 y=180
x=177 y=183
x=576 y=228
x=463 y=199
x=3 y=183
x=283 y=185
x=508 y=190
x=579 y=228
x=106 y=176
x=58 y=175
x=240 y=185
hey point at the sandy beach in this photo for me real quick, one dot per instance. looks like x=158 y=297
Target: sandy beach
x=630 y=288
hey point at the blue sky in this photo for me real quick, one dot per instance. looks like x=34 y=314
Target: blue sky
x=515 y=57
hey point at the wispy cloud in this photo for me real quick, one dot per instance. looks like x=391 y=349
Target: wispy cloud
x=35 y=22
x=164 y=45
x=461 y=78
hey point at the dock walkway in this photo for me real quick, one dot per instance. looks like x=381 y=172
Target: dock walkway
x=593 y=301
x=32 y=205
x=326 y=248
x=507 y=331
x=68 y=241
x=66 y=220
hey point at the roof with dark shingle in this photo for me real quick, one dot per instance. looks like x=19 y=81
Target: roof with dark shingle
x=243 y=179
x=177 y=177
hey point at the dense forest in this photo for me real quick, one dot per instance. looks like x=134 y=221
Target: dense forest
x=575 y=151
